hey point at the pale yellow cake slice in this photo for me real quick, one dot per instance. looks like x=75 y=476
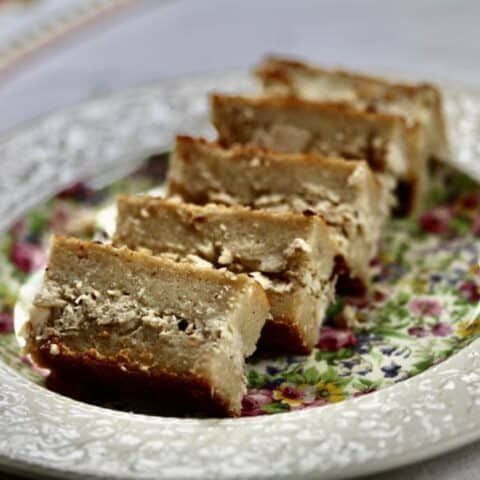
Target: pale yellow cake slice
x=140 y=322
x=293 y=125
x=345 y=193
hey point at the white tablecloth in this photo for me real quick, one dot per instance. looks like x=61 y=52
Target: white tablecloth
x=431 y=39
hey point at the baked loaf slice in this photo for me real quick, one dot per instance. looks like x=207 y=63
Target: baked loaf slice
x=127 y=318
x=288 y=124
x=290 y=255
x=345 y=193
x=418 y=103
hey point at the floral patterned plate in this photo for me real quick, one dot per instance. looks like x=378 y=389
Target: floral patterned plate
x=390 y=372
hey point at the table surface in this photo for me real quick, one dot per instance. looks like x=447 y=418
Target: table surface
x=429 y=39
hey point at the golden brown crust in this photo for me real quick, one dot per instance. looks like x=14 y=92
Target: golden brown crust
x=157 y=204
x=184 y=143
x=119 y=375
x=274 y=67
x=82 y=249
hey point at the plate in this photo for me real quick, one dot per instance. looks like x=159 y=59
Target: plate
x=401 y=386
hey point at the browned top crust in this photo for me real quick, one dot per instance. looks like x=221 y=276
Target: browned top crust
x=343 y=167
x=276 y=67
x=297 y=221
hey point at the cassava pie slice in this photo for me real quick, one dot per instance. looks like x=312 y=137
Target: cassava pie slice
x=128 y=318
x=291 y=255
x=293 y=125
x=418 y=103
x=346 y=193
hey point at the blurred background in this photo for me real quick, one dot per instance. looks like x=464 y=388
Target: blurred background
x=55 y=53
x=58 y=52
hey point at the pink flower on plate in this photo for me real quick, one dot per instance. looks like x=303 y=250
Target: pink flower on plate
x=426 y=306
x=27 y=256
x=438 y=330
x=441 y=330
x=254 y=400
x=333 y=339
x=436 y=220
x=471 y=291
x=6 y=322
x=418 y=331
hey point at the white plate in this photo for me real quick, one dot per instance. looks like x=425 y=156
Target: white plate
x=44 y=432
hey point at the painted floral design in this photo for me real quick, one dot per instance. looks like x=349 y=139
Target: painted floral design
x=334 y=339
x=423 y=308
x=329 y=392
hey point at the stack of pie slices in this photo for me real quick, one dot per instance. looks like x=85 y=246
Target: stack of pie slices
x=257 y=233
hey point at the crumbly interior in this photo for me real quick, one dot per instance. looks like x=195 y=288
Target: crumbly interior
x=307 y=277
x=271 y=282
x=354 y=226
x=73 y=305
x=298 y=297
x=112 y=324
